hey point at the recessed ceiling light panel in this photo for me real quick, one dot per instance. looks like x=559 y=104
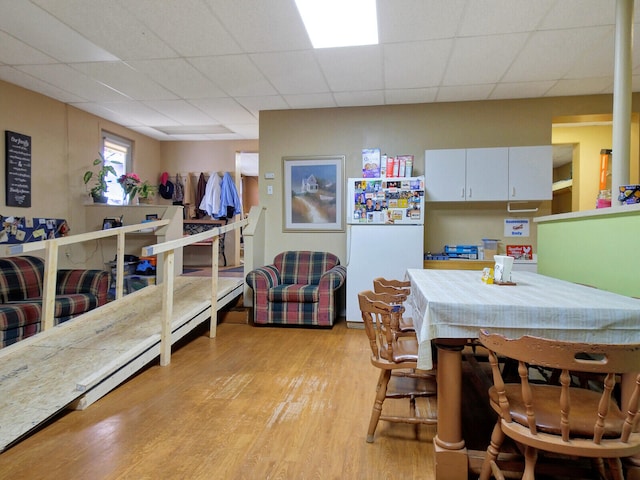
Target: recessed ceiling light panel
x=340 y=23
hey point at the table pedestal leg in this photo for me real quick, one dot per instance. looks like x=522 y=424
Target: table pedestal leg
x=451 y=454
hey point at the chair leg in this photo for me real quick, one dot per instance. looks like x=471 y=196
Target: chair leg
x=615 y=467
x=377 y=406
x=530 y=458
x=497 y=437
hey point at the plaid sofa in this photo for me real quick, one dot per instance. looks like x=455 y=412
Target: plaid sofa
x=299 y=288
x=21 y=282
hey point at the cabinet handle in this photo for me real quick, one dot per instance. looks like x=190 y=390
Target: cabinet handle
x=462 y=193
x=513 y=191
x=470 y=192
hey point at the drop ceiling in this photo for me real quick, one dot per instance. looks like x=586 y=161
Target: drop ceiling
x=204 y=69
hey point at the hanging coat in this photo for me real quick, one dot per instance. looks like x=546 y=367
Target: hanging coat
x=230 y=204
x=201 y=191
x=211 y=199
x=178 y=192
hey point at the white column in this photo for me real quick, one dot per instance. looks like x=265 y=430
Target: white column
x=622 y=96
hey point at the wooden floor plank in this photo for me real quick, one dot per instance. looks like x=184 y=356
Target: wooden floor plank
x=54 y=368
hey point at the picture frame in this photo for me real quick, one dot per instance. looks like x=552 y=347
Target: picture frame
x=151 y=217
x=313 y=193
x=108 y=223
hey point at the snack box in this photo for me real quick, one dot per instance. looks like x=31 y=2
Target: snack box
x=629 y=194
x=462 y=251
x=520 y=252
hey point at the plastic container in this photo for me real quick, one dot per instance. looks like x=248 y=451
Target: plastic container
x=490 y=247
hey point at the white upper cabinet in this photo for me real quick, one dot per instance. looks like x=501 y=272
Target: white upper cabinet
x=488 y=174
x=445 y=173
x=530 y=173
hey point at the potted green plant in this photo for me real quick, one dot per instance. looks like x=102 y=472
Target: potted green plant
x=146 y=192
x=100 y=187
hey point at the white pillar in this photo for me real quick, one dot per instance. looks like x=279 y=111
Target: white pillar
x=622 y=96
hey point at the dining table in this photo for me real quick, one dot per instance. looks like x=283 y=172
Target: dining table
x=450 y=307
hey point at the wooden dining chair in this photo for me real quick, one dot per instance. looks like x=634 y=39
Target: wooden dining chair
x=397 y=360
x=563 y=419
x=396 y=287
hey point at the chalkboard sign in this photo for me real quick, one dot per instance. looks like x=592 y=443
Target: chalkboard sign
x=18 y=169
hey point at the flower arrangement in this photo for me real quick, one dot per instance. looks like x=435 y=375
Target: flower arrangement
x=130 y=184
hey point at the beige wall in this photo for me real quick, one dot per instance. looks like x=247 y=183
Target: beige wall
x=410 y=129
x=65 y=141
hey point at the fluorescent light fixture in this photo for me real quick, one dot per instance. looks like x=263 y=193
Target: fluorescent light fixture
x=340 y=23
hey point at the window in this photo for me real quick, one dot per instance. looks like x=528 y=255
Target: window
x=117 y=152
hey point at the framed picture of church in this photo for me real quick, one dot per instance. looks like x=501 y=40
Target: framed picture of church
x=313 y=193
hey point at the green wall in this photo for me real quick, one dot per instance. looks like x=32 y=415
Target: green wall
x=599 y=249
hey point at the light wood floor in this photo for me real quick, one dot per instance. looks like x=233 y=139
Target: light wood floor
x=253 y=403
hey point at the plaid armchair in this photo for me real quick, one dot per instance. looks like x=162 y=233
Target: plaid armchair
x=21 y=283
x=299 y=288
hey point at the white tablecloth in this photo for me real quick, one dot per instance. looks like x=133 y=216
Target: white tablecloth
x=457 y=304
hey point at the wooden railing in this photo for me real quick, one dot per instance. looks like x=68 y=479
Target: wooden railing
x=51 y=249
x=167 y=250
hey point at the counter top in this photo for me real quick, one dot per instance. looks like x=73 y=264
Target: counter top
x=613 y=210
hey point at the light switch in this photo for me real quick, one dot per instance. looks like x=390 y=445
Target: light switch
x=269 y=189
x=269 y=175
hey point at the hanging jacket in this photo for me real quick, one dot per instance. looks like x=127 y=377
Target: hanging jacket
x=230 y=204
x=211 y=199
x=178 y=192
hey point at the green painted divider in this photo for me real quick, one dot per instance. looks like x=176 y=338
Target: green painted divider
x=601 y=250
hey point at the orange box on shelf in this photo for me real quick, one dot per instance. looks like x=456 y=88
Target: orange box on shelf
x=152 y=260
x=520 y=252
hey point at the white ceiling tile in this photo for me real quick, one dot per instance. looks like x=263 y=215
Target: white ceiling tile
x=359 y=98
x=415 y=65
x=15 y=52
x=15 y=76
x=551 y=54
x=46 y=33
x=180 y=111
x=178 y=76
x=111 y=26
x=580 y=87
x=521 y=90
x=264 y=26
x=352 y=68
x=464 y=93
x=225 y=110
x=140 y=113
x=567 y=14
x=412 y=20
x=122 y=78
x=410 y=95
x=189 y=26
x=311 y=100
x=236 y=75
x=255 y=104
x=71 y=80
x=598 y=59
x=101 y=111
x=482 y=59
x=291 y=72
x=490 y=17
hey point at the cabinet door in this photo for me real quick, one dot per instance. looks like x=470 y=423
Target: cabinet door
x=487 y=174
x=444 y=172
x=530 y=173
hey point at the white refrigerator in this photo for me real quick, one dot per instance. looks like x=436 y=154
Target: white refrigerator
x=385 y=233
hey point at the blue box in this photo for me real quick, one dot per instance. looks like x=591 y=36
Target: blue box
x=462 y=251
